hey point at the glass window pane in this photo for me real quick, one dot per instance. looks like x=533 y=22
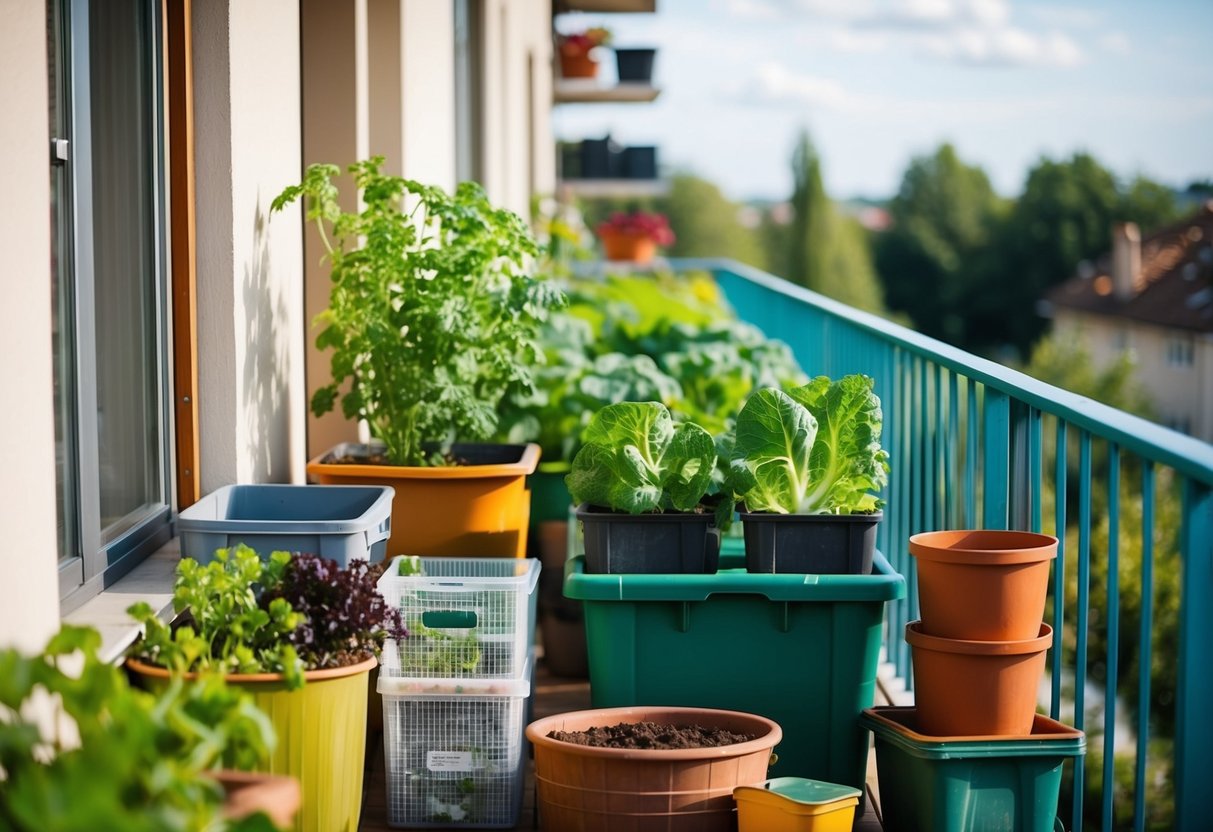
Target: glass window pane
x=124 y=143
x=62 y=294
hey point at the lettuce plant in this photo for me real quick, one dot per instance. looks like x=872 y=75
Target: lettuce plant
x=813 y=450
x=636 y=460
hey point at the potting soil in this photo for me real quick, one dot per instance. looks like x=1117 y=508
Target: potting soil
x=652 y=735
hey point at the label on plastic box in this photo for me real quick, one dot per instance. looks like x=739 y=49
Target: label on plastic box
x=451 y=761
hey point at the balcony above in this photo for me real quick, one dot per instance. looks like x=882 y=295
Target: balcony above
x=613 y=188
x=609 y=6
x=589 y=91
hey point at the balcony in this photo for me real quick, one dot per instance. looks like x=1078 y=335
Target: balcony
x=974 y=444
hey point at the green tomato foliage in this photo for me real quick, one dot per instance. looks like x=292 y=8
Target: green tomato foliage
x=636 y=460
x=812 y=450
x=434 y=309
x=118 y=758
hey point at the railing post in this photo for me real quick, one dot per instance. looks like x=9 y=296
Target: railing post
x=1193 y=717
x=996 y=459
x=1019 y=496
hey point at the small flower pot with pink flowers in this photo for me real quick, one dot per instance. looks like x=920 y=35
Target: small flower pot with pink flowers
x=634 y=237
x=574 y=51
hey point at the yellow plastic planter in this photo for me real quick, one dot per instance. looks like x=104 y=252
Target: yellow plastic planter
x=478 y=510
x=321 y=730
x=794 y=804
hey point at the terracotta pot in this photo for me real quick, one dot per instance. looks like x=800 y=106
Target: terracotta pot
x=591 y=789
x=577 y=65
x=966 y=688
x=632 y=248
x=321 y=730
x=983 y=585
x=247 y=793
x=481 y=509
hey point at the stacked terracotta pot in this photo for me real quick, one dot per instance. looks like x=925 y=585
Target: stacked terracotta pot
x=979 y=649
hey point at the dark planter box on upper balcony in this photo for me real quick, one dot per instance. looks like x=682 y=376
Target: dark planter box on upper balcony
x=640 y=162
x=635 y=65
x=600 y=159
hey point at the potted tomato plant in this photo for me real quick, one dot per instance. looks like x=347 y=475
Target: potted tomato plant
x=634 y=237
x=299 y=634
x=804 y=465
x=574 y=51
x=432 y=319
x=640 y=482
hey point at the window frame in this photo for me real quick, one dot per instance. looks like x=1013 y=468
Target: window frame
x=99 y=562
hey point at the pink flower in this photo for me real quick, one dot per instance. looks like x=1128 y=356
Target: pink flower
x=638 y=224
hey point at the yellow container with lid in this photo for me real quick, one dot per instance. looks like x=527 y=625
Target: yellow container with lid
x=794 y=804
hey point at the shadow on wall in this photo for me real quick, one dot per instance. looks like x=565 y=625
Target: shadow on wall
x=266 y=363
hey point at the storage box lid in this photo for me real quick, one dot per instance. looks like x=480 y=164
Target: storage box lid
x=390 y=684
x=453 y=574
x=798 y=790
x=884 y=584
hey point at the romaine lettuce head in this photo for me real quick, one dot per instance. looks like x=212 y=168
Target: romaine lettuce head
x=635 y=459
x=813 y=450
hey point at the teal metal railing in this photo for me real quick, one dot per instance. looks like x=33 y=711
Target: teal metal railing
x=970 y=442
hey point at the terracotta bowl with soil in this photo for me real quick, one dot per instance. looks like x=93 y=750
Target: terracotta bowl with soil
x=651 y=782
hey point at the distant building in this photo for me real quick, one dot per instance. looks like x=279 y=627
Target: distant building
x=1153 y=296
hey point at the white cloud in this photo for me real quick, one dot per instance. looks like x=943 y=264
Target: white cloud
x=772 y=85
x=1009 y=46
x=968 y=32
x=1116 y=42
x=1066 y=17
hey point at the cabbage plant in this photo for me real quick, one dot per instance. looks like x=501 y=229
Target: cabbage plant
x=812 y=450
x=636 y=460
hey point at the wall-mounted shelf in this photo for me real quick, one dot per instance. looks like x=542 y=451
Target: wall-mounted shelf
x=614 y=188
x=589 y=91
x=605 y=6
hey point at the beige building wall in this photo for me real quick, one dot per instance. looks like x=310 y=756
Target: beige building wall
x=1178 y=392
x=379 y=79
x=29 y=586
x=250 y=315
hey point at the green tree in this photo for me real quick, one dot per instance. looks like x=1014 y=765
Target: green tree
x=1063 y=217
x=707 y=223
x=944 y=216
x=826 y=252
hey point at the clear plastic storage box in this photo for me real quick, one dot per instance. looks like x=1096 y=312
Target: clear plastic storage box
x=466 y=617
x=454 y=749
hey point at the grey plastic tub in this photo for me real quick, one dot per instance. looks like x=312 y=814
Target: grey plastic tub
x=340 y=522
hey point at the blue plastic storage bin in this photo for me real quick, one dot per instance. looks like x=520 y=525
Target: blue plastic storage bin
x=340 y=522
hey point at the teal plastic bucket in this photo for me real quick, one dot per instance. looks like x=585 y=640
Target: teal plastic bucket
x=969 y=784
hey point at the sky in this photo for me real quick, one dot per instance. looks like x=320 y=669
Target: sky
x=878 y=82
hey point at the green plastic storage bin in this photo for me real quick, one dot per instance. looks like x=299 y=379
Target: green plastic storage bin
x=799 y=649
x=969 y=784
x=550 y=498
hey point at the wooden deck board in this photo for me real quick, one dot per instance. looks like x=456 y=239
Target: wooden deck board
x=553 y=695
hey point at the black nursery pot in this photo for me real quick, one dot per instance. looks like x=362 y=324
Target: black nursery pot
x=812 y=544
x=635 y=64
x=640 y=162
x=672 y=543
x=600 y=159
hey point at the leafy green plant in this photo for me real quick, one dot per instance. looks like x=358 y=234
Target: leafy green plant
x=282 y=615
x=636 y=460
x=435 y=652
x=131 y=760
x=433 y=312
x=813 y=450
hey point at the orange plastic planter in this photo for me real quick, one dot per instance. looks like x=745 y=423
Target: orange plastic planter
x=632 y=248
x=578 y=65
x=685 y=790
x=464 y=510
x=983 y=585
x=966 y=688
